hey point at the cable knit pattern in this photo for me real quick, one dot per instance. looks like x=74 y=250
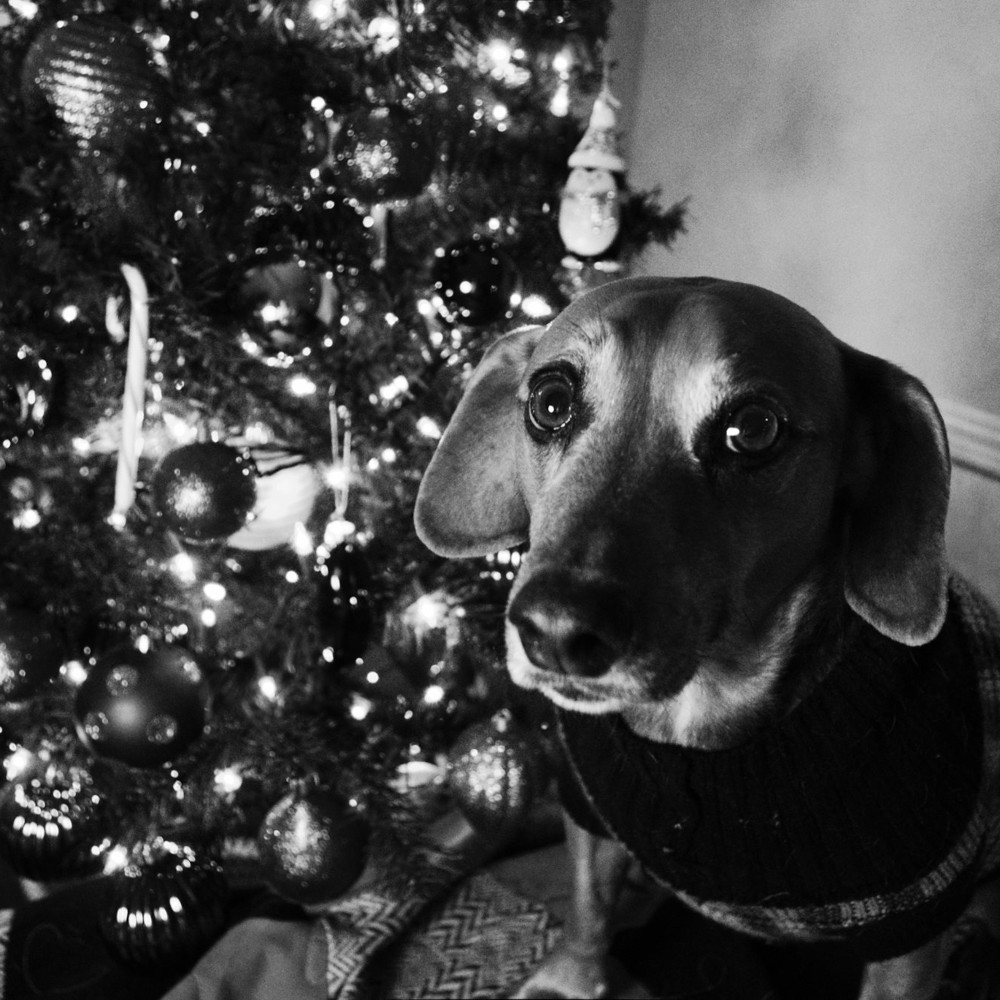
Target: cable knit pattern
x=867 y=814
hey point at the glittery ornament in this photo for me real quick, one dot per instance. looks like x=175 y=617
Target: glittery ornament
x=142 y=708
x=53 y=826
x=589 y=212
x=30 y=655
x=590 y=208
x=383 y=154
x=495 y=772
x=289 y=308
x=165 y=908
x=287 y=487
x=473 y=281
x=205 y=491
x=343 y=599
x=313 y=846
x=97 y=76
x=26 y=389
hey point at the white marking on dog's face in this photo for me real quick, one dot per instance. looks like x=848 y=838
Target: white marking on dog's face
x=699 y=390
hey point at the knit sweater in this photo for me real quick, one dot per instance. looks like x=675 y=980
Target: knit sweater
x=866 y=815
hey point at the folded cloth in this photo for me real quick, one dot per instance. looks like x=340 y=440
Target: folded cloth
x=480 y=940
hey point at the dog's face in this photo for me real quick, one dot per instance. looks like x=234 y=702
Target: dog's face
x=696 y=464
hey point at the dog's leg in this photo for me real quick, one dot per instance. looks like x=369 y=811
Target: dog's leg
x=578 y=967
x=914 y=976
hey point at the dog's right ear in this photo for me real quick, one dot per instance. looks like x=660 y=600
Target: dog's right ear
x=469 y=502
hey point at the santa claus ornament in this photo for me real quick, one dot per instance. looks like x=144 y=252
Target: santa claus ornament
x=590 y=209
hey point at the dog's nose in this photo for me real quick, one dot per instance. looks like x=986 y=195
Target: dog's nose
x=571 y=626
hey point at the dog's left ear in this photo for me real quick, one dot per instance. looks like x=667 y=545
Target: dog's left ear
x=897 y=476
x=469 y=502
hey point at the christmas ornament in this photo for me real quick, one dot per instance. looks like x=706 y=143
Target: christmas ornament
x=313 y=845
x=52 y=826
x=473 y=281
x=290 y=308
x=205 y=491
x=590 y=209
x=30 y=655
x=383 y=154
x=380 y=156
x=165 y=908
x=344 y=611
x=134 y=395
x=97 y=76
x=495 y=772
x=26 y=391
x=142 y=707
x=287 y=486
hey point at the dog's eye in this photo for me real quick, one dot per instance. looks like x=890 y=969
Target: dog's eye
x=550 y=402
x=752 y=429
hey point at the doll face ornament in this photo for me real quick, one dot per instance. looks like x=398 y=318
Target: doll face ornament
x=590 y=211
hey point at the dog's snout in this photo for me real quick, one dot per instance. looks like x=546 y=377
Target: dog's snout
x=571 y=626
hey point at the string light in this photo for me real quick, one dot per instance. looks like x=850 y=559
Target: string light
x=18 y=763
x=228 y=780
x=184 y=568
x=429 y=427
x=394 y=389
x=74 y=672
x=360 y=707
x=535 y=307
x=384 y=33
x=434 y=694
x=301 y=386
x=116 y=859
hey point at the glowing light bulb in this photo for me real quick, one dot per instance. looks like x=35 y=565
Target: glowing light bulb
x=434 y=694
x=184 y=568
x=429 y=427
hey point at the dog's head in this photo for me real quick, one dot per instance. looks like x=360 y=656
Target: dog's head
x=695 y=463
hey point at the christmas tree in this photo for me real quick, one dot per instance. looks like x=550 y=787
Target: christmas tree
x=249 y=251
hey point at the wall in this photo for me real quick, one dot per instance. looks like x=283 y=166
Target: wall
x=848 y=156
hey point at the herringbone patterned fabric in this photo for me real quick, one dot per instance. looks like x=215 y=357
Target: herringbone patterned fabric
x=478 y=942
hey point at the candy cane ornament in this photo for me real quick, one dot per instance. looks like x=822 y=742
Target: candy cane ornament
x=134 y=396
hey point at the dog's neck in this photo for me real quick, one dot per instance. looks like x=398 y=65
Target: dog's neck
x=728 y=699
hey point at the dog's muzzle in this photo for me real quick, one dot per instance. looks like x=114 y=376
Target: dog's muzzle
x=571 y=625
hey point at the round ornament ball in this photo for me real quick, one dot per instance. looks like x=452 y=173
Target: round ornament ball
x=26 y=392
x=289 y=308
x=495 y=773
x=142 y=708
x=344 y=611
x=590 y=211
x=30 y=654
x=165 y=908
x=205 y=491
x=473 y=280
x=383 y=154
x=52 y=827
x=313 y=845
x=97 y=76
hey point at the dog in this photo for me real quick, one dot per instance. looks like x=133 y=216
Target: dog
x=772 y=695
